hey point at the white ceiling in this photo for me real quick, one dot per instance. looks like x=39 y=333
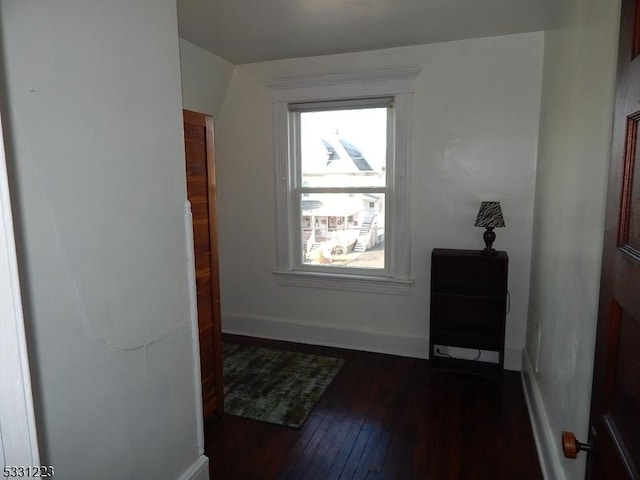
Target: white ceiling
x=244 y=31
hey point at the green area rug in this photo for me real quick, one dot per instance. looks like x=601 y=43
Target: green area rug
x=274 y=386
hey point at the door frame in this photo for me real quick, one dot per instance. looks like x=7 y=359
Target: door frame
x=18 y=435
x=206 y=120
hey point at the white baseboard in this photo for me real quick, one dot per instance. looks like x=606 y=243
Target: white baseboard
x=199 y=470
x=513 y=359
x=326 y=335
x=335 y=336
x=548 y=448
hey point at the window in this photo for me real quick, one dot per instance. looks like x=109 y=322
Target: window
x=342 y=150
x=339 y=151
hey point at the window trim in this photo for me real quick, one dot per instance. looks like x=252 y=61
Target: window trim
x=395 y=83
x=297 y=190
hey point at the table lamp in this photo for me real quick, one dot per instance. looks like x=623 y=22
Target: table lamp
x=490 y=217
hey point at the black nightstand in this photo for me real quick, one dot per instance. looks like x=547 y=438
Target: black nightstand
x=468 y=307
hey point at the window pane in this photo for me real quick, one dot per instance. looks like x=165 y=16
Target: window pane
x=343 y=229
x=344 y=148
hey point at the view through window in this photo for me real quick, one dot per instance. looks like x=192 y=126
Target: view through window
x=342 y=184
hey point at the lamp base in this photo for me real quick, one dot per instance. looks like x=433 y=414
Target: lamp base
x=489 y=236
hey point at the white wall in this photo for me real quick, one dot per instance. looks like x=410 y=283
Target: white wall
x=476 y=110
x=97 y=163
x=205 y=78
x=578 y=88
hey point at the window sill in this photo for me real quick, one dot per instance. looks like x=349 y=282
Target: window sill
x=336 y=281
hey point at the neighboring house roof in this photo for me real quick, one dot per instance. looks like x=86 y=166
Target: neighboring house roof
x=334 y=154
x=356 y=155
x=331 y=151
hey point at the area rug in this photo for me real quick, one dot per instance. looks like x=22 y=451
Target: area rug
x=274 y=386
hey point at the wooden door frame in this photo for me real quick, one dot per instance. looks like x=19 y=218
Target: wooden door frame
x=196 y=118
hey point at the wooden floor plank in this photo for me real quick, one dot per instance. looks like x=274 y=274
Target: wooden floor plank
x=385 y=417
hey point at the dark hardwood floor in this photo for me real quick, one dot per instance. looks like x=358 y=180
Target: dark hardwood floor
x=385 y=417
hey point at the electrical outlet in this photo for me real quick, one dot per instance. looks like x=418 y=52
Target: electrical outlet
x=538 y=339
x=533 y=345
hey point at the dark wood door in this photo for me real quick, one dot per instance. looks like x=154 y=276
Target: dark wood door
x=201 y=192
x=615 y=408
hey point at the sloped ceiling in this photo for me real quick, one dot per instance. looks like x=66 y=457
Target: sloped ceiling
x=245 y=31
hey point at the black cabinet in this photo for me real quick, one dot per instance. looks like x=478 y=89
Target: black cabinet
x=468 y=306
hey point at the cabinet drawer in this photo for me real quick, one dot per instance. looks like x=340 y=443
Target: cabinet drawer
x=467 y=340
x=468 y=272
x=470 y=314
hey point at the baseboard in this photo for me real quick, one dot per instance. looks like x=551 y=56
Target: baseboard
x=335 y=336
x=513 y=359
x=199 y=470
x=326 y=335
x=548 y=448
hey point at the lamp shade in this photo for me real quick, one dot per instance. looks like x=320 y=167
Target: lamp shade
x=490 y=215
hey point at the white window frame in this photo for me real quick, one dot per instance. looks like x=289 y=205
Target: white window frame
x=395 y=83
x=298 y=190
